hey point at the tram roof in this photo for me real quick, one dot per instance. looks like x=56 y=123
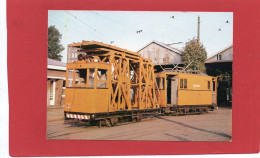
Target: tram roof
x=86 y=45
x=186 y=73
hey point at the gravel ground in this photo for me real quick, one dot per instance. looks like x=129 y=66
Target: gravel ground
x=211 y=126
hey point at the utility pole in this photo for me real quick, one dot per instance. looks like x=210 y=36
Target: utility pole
x=198 y=37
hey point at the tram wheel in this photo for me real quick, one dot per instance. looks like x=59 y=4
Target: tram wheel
x=108 y=123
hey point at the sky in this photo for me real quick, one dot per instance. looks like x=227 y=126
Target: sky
x=119 y=28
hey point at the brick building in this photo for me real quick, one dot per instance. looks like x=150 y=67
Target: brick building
x=56 y=77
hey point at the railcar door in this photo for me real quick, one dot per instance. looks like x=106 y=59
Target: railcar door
x=161 y=91
x=172 y=87
x=174 y=90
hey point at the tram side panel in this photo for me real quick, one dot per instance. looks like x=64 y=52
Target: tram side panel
x=194 y=90
x=86 y=100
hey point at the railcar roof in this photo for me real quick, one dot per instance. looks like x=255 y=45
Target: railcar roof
x=95 y=45
x=176 y=73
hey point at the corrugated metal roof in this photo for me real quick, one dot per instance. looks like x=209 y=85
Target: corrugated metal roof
x=222 y=50
x=163 y=45
x=56 y=62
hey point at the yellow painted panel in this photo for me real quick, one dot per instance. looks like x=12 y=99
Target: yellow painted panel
x=189 y=97
x=196 y=82
x=196 y=93
x=86 y=100
x=162 y=98
x=84 y=64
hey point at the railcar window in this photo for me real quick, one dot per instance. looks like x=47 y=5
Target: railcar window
x=181 y=83
x=157 y=82
x=70 y=78
x=91 y=78
x=160 y=83
x=185 y=83
x=80 y=77
x=208 y=84
x=102 y=78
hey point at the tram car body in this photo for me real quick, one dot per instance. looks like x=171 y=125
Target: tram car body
x=107 y=84
x=184 y=93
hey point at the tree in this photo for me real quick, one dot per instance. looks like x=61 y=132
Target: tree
x=194 y=55
x=54 y=46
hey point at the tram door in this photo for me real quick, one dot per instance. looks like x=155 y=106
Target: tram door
x=172 y=88
x=213 y=91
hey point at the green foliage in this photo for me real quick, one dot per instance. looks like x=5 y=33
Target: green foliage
x=194 y=53
x=54 y=46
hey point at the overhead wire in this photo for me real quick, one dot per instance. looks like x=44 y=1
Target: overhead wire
x=134 y=29
x=145 y=32
x=82 y=22
x=75 y=29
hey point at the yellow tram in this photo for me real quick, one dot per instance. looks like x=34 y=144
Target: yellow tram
x=108 y=83
x=183 y=93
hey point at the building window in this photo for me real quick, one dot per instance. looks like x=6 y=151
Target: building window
x=219 y=57
x=52 y=92
x=70 y=78
x=63 y=89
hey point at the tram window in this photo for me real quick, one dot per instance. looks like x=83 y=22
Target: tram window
x=80 y=77
x=181 y=83
x=91 y=78
x=102 y=74
x=160 y=83
x=208 y=84
x=185 y=83
x=101 y=78
x=70 y=78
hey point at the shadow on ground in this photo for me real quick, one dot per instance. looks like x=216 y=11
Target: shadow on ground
x=195 y=128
